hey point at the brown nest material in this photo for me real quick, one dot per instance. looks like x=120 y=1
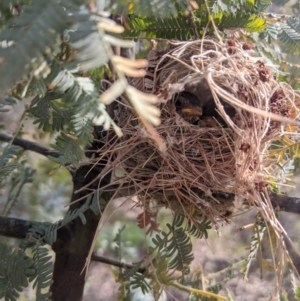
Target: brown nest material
x=203 y=164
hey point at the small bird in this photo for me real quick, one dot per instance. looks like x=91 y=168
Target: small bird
x=197 y=106
x=189 y=107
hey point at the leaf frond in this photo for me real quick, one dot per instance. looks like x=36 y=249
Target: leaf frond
x=44 y=266
x=255 y=244
x=161 y=8
x=32 y=33
x=176 y=246
x=290 y=35
x=15 y=268
x=5 y=166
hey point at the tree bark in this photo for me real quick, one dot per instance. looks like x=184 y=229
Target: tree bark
x=74 y=241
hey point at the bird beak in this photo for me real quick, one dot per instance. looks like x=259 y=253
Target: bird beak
x=192 y=111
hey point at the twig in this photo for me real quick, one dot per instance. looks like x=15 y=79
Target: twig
x=29 y=145
x=197 y=291
x=115 y=263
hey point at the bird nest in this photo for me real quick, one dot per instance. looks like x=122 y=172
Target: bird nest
x=219 y=159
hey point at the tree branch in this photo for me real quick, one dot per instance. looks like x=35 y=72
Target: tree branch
x=14 y=227
x=285 y=203
x=17 y=228
x=30 y=145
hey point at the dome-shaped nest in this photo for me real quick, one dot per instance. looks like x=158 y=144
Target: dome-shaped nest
x=221 y=109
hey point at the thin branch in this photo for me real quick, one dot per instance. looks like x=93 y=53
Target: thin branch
x=198 y=291
x=30 y=145
x=115 y=263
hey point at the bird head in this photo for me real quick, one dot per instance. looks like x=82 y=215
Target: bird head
x=188 y=105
